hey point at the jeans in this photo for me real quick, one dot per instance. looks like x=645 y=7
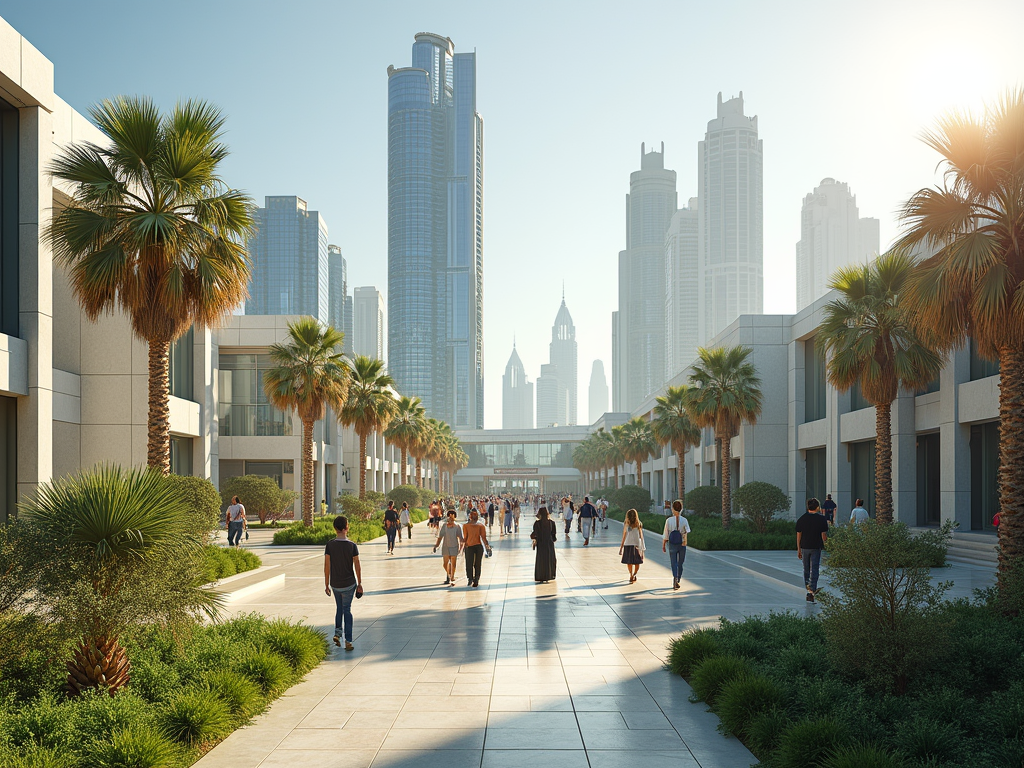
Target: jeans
x=474 y=559
x=812 y=559
x=677 y=556
x=568 y=525
x=391 y=532
x=343 y=618
x=235 y=533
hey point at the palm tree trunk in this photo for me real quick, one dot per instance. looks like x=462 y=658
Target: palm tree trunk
x=362 y=465
x=159 y=451
x=405 y=465
x=883 y=463
x=639 y=474
x=307 y=473
x=616 y=477
x=1011 y=464
x=726 y=462
x=419 y=472
x=681 y=477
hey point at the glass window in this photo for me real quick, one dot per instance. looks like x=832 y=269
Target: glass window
x=181 y=455
x=929 y=510
x=862 y=471
x=815 y=467
x=9 y=219
x=980 y=367
x=858 y=402
x=243 y=409
x=984 y=475
x=8 y=457
x=181 y=365
x=814 y=382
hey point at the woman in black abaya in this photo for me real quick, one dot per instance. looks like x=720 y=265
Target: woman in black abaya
x=544 y=535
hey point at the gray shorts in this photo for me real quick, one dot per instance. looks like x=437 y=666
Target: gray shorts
x=450 y=551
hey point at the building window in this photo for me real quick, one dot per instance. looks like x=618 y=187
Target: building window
x=814 y=382
x=862 y=471
x=243 y=410
x=281 y=472
x=181 y=455
x=984 y=475
x=815 y=470
x=181 y=365
x=857 y=400
x=9 y=255
x=929 y=507
x=931 y=386
x=8 y=457
x=980 y=367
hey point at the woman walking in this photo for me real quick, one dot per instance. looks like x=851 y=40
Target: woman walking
x=406 y=522
x=236 y=522
x=570 y=510
x=544 y=535
x=632 y=547
x=451 y=534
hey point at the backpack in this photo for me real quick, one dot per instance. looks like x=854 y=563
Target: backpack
x=675 y=537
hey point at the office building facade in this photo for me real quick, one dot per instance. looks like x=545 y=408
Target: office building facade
x=682 y=288
x=435 y=231
x=516 y=395
x=562 y=353
x=339 y=306
x=369 y=313
x=552 y=398
x=597 y=393
x=290 y=268
x=832 y=235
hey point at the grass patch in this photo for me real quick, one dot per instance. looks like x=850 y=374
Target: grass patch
x=221 y=562
x=708 y=534
x=323 y=531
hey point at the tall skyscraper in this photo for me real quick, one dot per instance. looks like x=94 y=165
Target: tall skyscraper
x=562 y=354
x=597 y=392
x=516 y=395
x=552 y=397
x=682 y=289
x=832 y=235
x=290 y=273
x=338 y=294
x=639 y=349
x=435 y=231
x=368 y=322
x=729 y=180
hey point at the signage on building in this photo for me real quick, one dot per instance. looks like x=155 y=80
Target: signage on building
x=516 y=470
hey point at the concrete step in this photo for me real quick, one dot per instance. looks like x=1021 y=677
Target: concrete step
x=973 y=548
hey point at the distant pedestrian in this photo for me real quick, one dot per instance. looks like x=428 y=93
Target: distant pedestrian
x=632 y=546
x=811 y=535
x=603 y=506
x=490 y=513
x=507 y=521
x=674 y=539
x=859 y=514
x=995 y=521
x=236 y=522
x=544 y=534
x=570 y=510
x=475 y=536
x=435 y=514
x=391 y=522
x=343 y=576
x=323 y=507
x=588 y=514
x=516 y=512
x=828 y=509
x=451 y=541
x=405 y=522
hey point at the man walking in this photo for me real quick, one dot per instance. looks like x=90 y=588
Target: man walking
x=475 y=535
x=342 y=577
x=674 y=538
x=828 y=509
x=811 y=535
x=391 y=522
x=587 y=515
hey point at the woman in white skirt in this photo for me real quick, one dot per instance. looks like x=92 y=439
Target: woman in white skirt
x=632 y=547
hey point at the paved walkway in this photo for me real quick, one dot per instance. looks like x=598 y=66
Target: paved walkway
x=512 y=673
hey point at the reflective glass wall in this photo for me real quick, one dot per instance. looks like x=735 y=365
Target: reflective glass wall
x=243 y=409
x=8 y=219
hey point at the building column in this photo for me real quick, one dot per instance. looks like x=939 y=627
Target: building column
x=904 y=459
x=954 y=442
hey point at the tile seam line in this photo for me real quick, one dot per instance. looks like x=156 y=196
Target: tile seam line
x=501 y=619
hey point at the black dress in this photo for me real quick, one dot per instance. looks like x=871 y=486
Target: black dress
x=544 y=533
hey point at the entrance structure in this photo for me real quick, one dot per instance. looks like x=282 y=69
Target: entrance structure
x=520 y=461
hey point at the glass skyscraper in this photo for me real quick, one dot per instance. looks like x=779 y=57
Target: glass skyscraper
x=435 y=232
x=290 y=273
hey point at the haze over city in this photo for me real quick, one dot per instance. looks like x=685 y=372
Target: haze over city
x=567 y=93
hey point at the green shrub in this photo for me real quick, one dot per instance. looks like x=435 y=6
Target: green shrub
x=407 y=494
x=202 y=500
x=134 y=748
x=923 y=739
x=712 y=674
x=689 y=650
x=809 y=743
x=705 y=500
x=221 y=562
x=259 y=495
x=763 y=731
x=356 y=508
x=195 y=717
x=38 y=757
x=744 y=698
x=760 y=502
x=632 y=497
x=427 y=495
x=863 y=756
x=377 y=499
x=267 y=669
x=241 y=695
x=301 y=646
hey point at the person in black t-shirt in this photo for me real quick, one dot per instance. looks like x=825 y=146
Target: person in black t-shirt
x=828 y=509
x=811 y=535
x=391 y=523
x=342 y=577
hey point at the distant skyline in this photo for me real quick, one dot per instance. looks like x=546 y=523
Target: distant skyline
x=840 y=91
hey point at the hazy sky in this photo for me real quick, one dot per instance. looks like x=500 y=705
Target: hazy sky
x=568 y=91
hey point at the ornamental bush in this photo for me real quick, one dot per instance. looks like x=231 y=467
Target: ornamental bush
x=202 y=501
x=689 y=650
x=356 y=508
x=712 y=675
x=407 y=494
x=259 y=495
x=631 y=497
x=705 y=500
x=760 y=502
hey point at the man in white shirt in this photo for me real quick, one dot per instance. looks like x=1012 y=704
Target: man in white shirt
x=674 y=540
x=859 y=514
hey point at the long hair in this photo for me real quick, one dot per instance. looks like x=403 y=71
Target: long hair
x=632 y=519
x=542 y=513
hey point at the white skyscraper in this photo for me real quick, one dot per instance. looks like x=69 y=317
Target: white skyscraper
x=516 y=395
x=729 y=180
x=682 y=289
x=552 y=397
x=597 y=393
x=832 y=235
x=562 y=354
x=368 y=322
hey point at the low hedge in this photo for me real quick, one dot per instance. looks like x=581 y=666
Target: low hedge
x=190 y=687
x=708 y=535
x=323 y=531
x=221 y=562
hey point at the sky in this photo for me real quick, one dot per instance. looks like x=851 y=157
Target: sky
x=568 y=91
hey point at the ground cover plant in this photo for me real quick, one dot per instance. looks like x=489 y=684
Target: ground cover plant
x=323 y=531
x=708 y=534
x=221 y=562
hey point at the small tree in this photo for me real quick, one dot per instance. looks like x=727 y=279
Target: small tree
x=202 y=501
x=704 y=500
x=760 y=502
x=356 y=508
x=632 y=497
x=258 y=494
x=405 y=493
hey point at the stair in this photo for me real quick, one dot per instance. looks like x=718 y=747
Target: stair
x=972 y=548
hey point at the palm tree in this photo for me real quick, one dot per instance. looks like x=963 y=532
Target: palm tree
x=370 y=405
x=638 y=444
x=421 y=447
x=583 y=458
x=151 y=230
x=405 y=428
x=309 y=375
x=613 y=450
x=673 y=426
x=121 y=550
x=868 y=337
x=725 y=392
x=972 y=285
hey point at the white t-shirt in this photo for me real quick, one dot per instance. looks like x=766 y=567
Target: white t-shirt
x=403 y=516
x=236 y=513
x=671 y=525
x=859 y=515
x=634 y=538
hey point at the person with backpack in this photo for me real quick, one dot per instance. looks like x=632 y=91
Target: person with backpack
x=674 y=539
x=391 y=522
